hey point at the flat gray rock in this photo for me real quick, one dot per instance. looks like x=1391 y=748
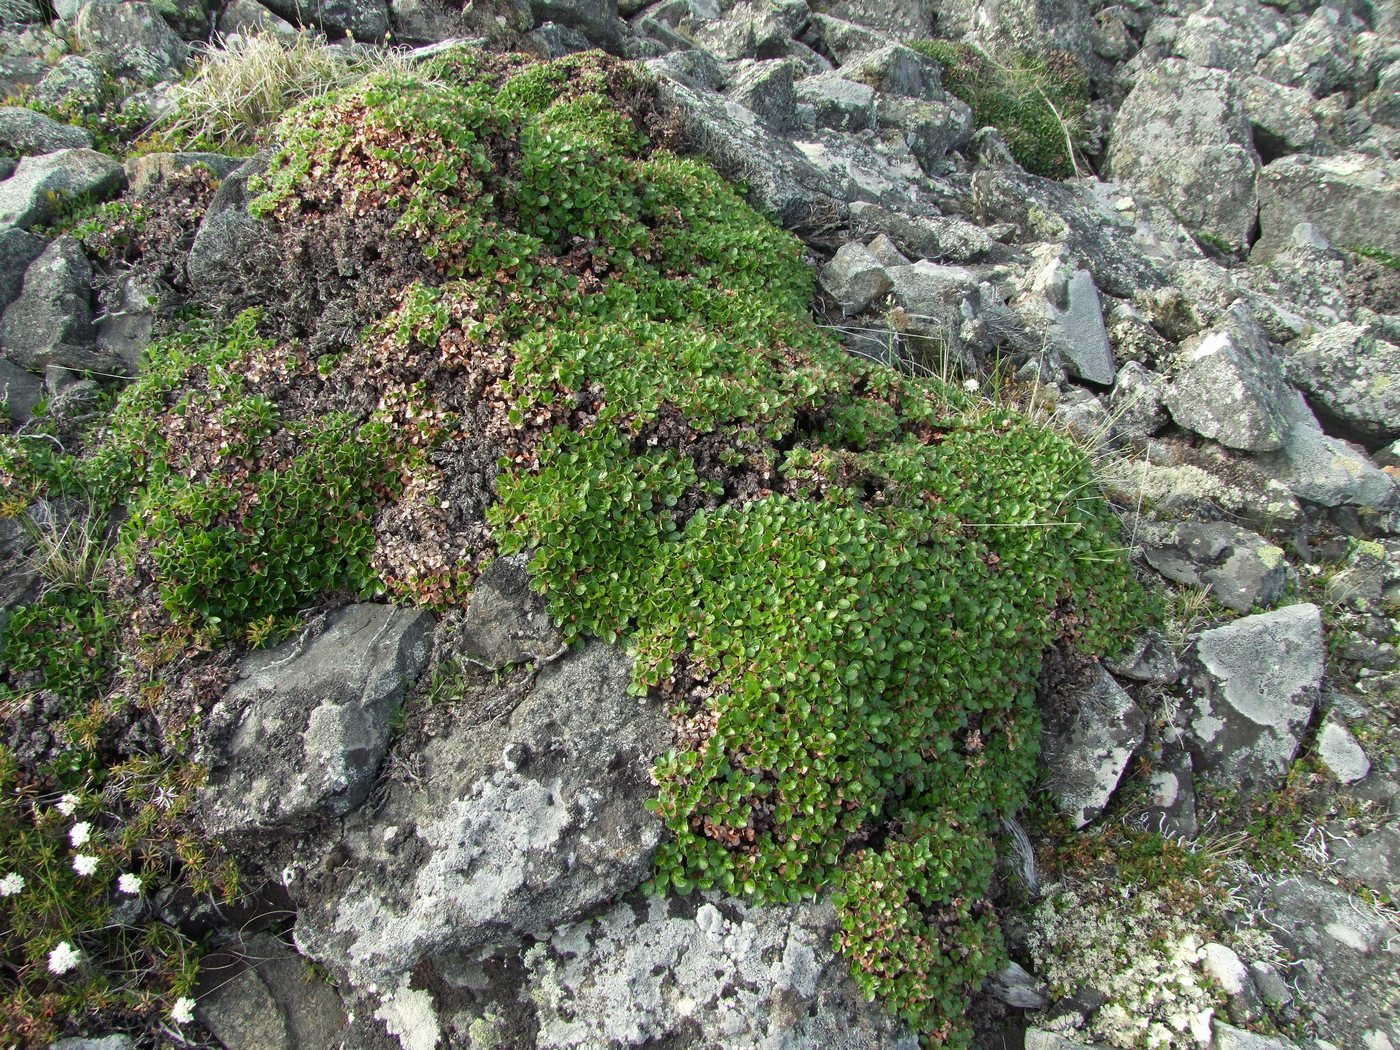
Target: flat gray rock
x=1351 y=378
x=74 y=83
x=1089 y=735
x=855 y=278
x=1255 y=682
x=20 y=392
x=311 y=720
x=25 y=133
x=227 y=230
x=1241 y=568
x=1340 y=752
x=1326 y=470
x=1170 y=804
x=1227 y=1037
x=518 y=819
x=1350 y=197
x=1373 y=860
x=130 y=39
x=40 y=186
x=1080 y=334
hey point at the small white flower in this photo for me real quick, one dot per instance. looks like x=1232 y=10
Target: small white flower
x=11 y=884
x=129 y=883
x=84 y=864
x=971 y=386
x=80 y=834
x=183 y=1010
x=67 y=804
x=64 y=958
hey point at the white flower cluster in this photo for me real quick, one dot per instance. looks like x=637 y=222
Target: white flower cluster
x=1135 y=947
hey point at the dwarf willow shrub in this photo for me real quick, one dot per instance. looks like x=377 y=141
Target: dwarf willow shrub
x=1037 y=101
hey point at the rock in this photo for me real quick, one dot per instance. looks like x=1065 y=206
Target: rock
x=1338 y=750
x=40 y=186
x=1326 y=470
x=1011 y=27
x=366 y=20
x=129 y=39
x=227 y=230
x=1042 y=1039
x=20 y=392
x=1351 y=379
x=1350 y=198
x=1089 y=735
x=258 y=992
x=1319 y=58
x=596 y=19
x=1369 y=578
x=424 y=21
x=936 y=300
x=1285 y=120
x=894 y=69
x=51 y=321
x=74 y=85
x=1066 y=303
x=653 y=972
x=242 y=17
x=1256 y=682
x=505 y=623
x=1138 y=404
x=556 y=41
x=18 y=249
x=1228 y=971
x=310 y=721
x=1170 y=806
x=1355 y=989
x=886 y=252
x=519 y=819
x=1015 y=986
x=905 y=19
x=1229 y=34
x=840 y=39
x=100 y=1042
x=149 y=170
x=855 y=278
x=1228 y=1038
x=1182 y=481
x=1383 y=104
x=1083 y=415
x=1229 y=386
x=1241 y=569
x=1181 y=135
x=1373 y=860
x=1149 y=659
x=842 y=105
x=128 y=320
x=25 y=133
x=751 y=29
x=1272 y=988
x=767 y=89
x=929 y=237
x=20 y=12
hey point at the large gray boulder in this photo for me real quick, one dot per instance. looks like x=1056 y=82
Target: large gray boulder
x=903 y=19
x=1255 y=684
x=1350 y=198
x=1351 y=378
x=1320 y=57
x=40 y=186
x=1326 y=470
x=1181 y=135
x=25 y=133
x=75 y=83
x=51 y=323
x=310 y=721
x=365 y=20
x=855 y=278
x=1010 y=27
x=1090 y=734
x=1230 y=387
x=227 y=230
x=1229 y=34
x=18 y=248
x=527 y=811
x=1241 y=568
x=704 y=972
x=130 y=39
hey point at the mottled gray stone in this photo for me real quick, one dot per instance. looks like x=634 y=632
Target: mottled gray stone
x=1009 y=27
x=1369 y=577
x=751 y=29
x=1229 y=34
x=1373 y=860
x=149 y=170
x=1351 y=198
x=855 y=278
x=1230 y=1038
x=128 y=319
x=242 y=1014
x=1256 y=682
x=1170 y=802
x=18 y=248
x=886 y=252
x=257 y=992
x=1230 y=387
x=227 y=229
x=25 y=133
x=1284 y=119
x=1326 y=470
x=505 y=623
x=904 y=19
x=1147 y=659
x=1138 y=403
x=1338 y=750
x=241 y=17
x=767 y=89
x=1181 y=135
x=1351 y=377
x=518 y=819
x=310 y=720
x=1089 y=736
x=1320 y=57
x=1230 y=975
x=51 y=321
x=840 y=104
x=98 y=1042
x=897 y=70
x=20 y=392
x=653 y=972
x=841 y=39
x=366 y=20
x=1078 y=332
x=129 y=38
x=40 y=186
x=74 y=84
x=930 y=130
x=929 y=237
x=1241 y=568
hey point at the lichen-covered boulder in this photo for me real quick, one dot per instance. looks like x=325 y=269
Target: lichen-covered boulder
x=1092 y=730
x=1241 y=569
x=129 y=38
x=1350 y=198
x=25 y=133
x=51 y=321
x=1352 y=377
x=41 y=185
x=1182 y=136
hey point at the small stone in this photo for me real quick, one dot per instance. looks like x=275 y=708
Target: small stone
x=1228 y=971
x=1373 y=860
x=1272 y=988
x=1340 y=753
x=25 y=133
x=1230 y=1038
x=887 y=252
x=855 y=278
x=1090 y=734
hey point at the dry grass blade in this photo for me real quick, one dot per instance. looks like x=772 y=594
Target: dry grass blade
x=249 y=81
x=67 y=553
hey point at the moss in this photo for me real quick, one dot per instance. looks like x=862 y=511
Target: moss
x=1038 y=101
x=1380 y=255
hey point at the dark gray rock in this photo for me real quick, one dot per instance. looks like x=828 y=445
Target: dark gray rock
x=1088 y=739
x=130 y=39
x=40 y=186
x=18 y=249
x=886 y=252
x=557 y=41
x=1241 y=568
x=905 y=19
x=241 y=1013
x=51 y=321
x=1350 y=198
x=841 y=39
x=855 y=278
x=1227 y=1037
x=241 y=17
x=1351 y=378
x=128 y=319
x=1255 y=683
x=1181 y=136
x=1011 y=27
x=25 y=133
x=1229 y=34
x=227 y=230
x=1231 y=976
x=1148 y=659
x=767 y=89
x=1230 y=387
x=1368 y=579
x=1373 y=860
x=1285 y=119
x=75 y=84
x=596 y=19
x=894 y=69
x=1170 y=806
x=1320 y=57
x=1326 y=470
x=99 y=1042
x=310 y=721
x=505 y=623
x=652 y=972
x=932 y=237
x=520 y=817
x=424 y=21
x=930 y=130
x=259 y=993
x=1138 y=404
x=20 y=392
x=191 y=19
x=750 y=29
x=839 y=104
x=1354 y=987
x=366 y=20
x=149 y=170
